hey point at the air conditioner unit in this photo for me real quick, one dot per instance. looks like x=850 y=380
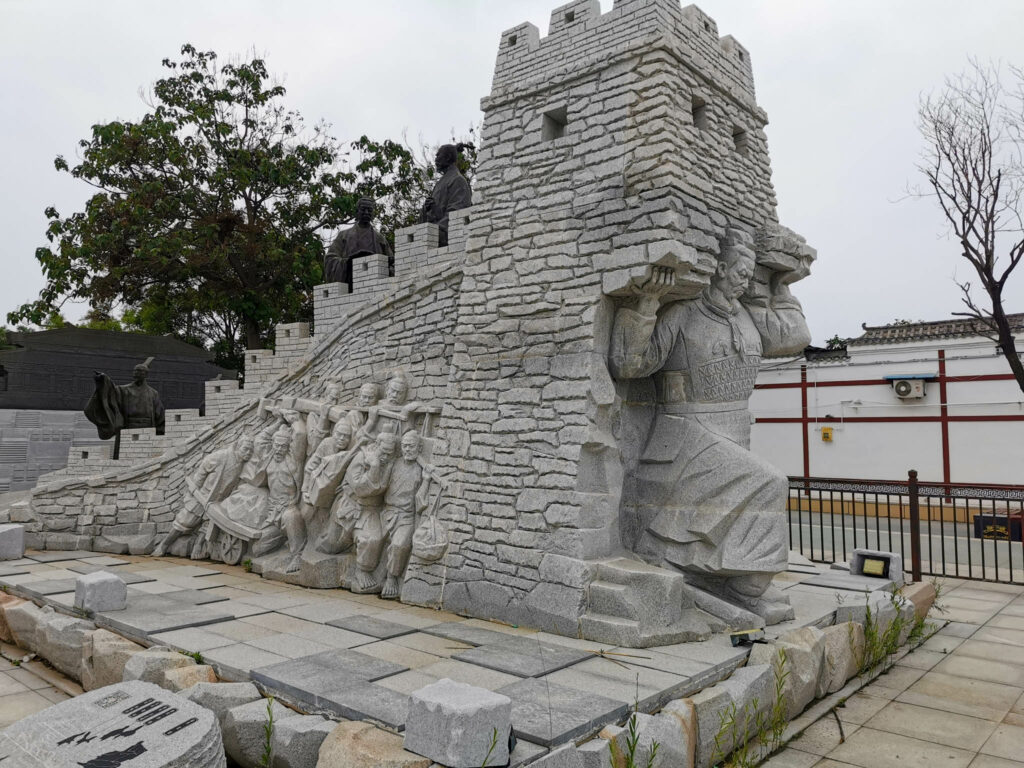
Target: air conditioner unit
x=908 y=389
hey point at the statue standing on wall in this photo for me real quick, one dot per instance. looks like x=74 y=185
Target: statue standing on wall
x=700 y=501
x=359 y=240
x=115 y=407
x=216 y=478
x=450 y=193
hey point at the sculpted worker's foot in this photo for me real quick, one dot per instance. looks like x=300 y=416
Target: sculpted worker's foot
x=293 y=563
x=365 y=581
x=390 y=591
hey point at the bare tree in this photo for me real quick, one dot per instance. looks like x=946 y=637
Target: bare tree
x=974 y=136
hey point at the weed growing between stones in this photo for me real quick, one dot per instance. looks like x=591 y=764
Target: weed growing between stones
x=194 y=655
x=632 y=741
x=247 y=565
x=268 y=735
x=490 y=749
x=751 y=745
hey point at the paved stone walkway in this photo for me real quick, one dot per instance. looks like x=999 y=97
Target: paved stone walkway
x=28 y=687
x=956 y=702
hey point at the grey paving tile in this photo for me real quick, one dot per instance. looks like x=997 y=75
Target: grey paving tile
x=522 y=656
x=12 y=570
x=192 y=639
x=56 y=556
x=382 y=629
x=547 y=713
x=289 y=646
x=305 y=679
x=458 y=630
x=628 y=684
x=128 y=577
x=151 y=614
x=238 y=661
x=50 y=587
x=195 y=597
x=367 y=701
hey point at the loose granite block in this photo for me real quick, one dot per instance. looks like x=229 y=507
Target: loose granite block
x=12 y=541
x=449 y=722
x=550 y=714
x=370 y=625
x=522 y=656
x=100 y=591
x=296 y=741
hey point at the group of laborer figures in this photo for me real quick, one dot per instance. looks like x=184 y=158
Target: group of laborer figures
x=360 y=483
x=450 y=193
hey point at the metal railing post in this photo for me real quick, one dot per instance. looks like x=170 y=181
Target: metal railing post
x=915 y=526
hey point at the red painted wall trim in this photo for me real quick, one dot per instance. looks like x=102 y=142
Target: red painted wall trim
x=944 y=415
x=804 y=420
x=869 y=419
x=881 y=382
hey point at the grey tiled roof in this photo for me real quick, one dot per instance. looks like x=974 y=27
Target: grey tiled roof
x=937 y=329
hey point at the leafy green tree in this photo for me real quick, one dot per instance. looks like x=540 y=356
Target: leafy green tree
x=207 y=213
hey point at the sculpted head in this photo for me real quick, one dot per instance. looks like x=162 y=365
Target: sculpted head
x=139 y=373
x=410 y=445
x=244 y=447
x=734 y=270
x=282 y=442
x=369 y=394
x=365 y=209
x=333 y=391
x=387 y=444
x=397 y=390
x=445 y=158
x=342 y=435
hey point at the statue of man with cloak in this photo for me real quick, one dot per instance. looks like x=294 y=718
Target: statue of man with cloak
x=359 y=240
x=114 y=407
x=450 y=193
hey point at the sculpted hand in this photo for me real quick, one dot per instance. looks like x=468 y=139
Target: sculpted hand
x=661 y=281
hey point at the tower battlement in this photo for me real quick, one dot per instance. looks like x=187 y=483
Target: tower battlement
x=580 y=35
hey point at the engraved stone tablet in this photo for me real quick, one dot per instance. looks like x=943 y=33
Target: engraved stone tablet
x=128 y=725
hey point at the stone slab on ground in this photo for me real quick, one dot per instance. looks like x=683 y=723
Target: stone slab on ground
x=150 y=665
x=465 y=633
x=151 y=614
x=522 y=656
x=57 y=556
x=100 y=591
x=48 y=587
x=454 y=724
x=12 y=541
x=849 y=581
x=128 y=577
x=366 y=701
x=550 y=714
x=308 y=679
x=132 y=724
x=373 y=626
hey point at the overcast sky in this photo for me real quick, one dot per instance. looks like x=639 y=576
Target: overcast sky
x=840 y=82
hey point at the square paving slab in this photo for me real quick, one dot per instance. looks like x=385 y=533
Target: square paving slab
x=56 y=556
x=547 y=713
x=367 y=701
x=307 y=678
x=465 y=633
x=151 y=614
x=382 y=629
x=522 y=656
x=128 y=577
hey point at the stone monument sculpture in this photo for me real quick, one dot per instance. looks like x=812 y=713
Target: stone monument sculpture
x=699 y=500
x=393 y=413
x=450 y=193
x=114 y=407
x=216 y=478
x=359 y=240
x=282 y=476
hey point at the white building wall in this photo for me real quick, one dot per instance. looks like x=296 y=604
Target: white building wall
x=877 y=435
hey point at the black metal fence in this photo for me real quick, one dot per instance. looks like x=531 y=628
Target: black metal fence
x=941 y=529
